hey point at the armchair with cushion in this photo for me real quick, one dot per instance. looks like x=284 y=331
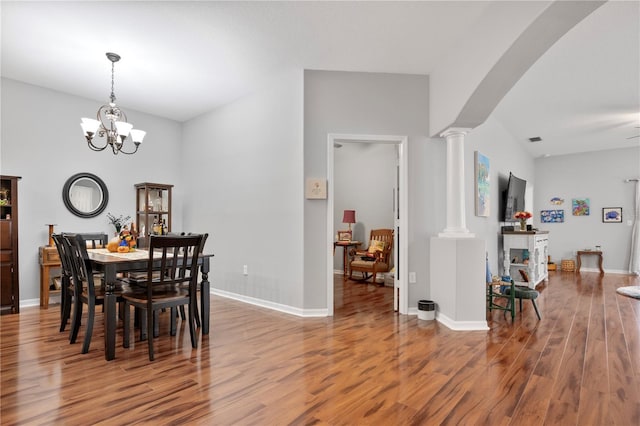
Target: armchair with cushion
x=376 y=258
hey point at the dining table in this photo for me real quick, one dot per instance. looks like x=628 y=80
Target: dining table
x=114 y=263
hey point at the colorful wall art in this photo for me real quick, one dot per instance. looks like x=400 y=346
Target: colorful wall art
x=482 y=184
x=557 y=201
x=552 y=216
x=580 y=206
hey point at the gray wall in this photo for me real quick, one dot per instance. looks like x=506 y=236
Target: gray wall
x=365 y=175
x=600 y=177
x=505 y=155
x=42 y=142
x=244 y=165
x=368 y=103
x=239 y=173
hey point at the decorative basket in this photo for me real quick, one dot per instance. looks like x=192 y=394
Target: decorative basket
x=568 y=265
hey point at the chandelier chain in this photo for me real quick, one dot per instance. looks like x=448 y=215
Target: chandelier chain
x=113 y=70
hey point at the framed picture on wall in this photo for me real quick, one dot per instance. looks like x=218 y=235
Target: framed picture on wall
x=612 y=214
x=552 y=216
x=580 y=206
x=482 y=184
x=344 y=235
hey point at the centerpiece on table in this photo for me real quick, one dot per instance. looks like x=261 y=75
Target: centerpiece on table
x=125 y=239
x=522 y=217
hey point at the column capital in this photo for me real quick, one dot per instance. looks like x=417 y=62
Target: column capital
x=454 y=131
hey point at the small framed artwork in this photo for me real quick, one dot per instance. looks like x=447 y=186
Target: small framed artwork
x=580 y=206
x=316 y=189
x=344 y=235
x=557 y=201
x=612 y=214
x=552 y=216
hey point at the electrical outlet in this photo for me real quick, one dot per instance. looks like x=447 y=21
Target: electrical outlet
x=245 y=270
x=412 y=277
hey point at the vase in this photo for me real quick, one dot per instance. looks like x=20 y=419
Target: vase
x=523 y=225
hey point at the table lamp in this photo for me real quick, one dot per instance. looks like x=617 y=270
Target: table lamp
x=349 y=217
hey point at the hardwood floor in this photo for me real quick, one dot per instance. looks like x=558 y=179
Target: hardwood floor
x=579 y=365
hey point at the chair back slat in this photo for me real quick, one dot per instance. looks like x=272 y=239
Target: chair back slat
x=178 y=260
x=63 y=254
x=81 y=266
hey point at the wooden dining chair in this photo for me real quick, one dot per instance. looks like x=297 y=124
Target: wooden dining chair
x=175 y=285
x=86 y=291
x=197 y=313
x=93 y=240
x=66 y=277
x=137 y=275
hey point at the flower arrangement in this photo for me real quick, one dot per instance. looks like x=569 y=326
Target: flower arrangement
x=118 y=222
x=522 y=217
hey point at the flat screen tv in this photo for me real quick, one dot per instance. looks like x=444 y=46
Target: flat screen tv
x=514 y=197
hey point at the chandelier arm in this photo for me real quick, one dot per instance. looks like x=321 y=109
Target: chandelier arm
x=95 y=147
x=132 y=152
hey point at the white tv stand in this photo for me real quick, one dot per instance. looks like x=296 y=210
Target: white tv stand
x=526 y=250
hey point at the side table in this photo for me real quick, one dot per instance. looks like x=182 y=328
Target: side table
x=345 y=255
x=48 y=257
x=587 y=253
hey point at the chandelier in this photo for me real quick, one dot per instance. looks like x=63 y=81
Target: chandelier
x=111 y=123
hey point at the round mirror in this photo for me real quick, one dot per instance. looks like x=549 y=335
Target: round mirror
x=85 y=195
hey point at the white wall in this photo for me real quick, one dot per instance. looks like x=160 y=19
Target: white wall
x=42 y=142
x=365 y=175
x=243 y=163
x=370 y=103
x=600 y=177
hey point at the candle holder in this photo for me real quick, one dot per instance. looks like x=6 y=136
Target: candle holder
x=51 y=225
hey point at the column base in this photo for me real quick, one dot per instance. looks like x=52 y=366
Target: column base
x=456 y=233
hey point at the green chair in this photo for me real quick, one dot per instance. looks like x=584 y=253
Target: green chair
x=497 y=290
x=523 y=292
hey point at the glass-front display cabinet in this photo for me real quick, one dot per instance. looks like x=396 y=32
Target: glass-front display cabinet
x=9 y=280
x=153 y=211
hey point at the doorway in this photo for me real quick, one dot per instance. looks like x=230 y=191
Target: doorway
x=400 y=216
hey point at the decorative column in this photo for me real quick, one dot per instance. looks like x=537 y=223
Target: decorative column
x=457 y=257
x=456 y=219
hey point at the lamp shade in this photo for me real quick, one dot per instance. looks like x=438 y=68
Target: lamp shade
x=349 y=216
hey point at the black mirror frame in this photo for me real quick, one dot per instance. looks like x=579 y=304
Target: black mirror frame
x=67 y=200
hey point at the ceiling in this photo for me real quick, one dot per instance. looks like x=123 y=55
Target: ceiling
x=181 y=59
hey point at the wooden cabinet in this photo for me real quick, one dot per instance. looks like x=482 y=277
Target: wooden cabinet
x=526 y=251
x=9 y=276
x=153 y=206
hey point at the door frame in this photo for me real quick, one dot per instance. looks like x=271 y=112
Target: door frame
x=401 y=278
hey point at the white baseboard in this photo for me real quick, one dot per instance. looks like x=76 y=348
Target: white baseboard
x=272 y=305
x=606 y=271
x=461 y=325
x=27 y=303
x=456 y=325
